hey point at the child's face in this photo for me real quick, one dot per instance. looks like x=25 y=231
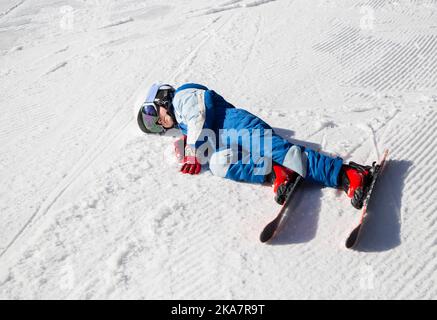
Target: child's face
x=165 y=119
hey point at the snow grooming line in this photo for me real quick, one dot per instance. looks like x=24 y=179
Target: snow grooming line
x=275 y=226
x=354 y=236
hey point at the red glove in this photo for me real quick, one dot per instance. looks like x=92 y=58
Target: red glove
x=191 y=165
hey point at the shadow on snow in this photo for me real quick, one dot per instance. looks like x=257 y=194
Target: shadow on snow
x=383 y=228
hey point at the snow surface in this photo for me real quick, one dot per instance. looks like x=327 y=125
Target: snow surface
x=92 y=208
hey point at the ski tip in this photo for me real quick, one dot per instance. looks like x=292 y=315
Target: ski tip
x=265 y=236
x=352 y=239
x=273 y=228
x=269 y=231
x=264 y=239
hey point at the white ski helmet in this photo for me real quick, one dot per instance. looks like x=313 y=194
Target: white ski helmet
x=160 y=96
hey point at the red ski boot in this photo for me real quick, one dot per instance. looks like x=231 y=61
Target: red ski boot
x=355 y=180
x=281 y=178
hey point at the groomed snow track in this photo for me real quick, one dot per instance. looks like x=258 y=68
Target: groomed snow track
x=91 y=208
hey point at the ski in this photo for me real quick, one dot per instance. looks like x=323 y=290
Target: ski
x=354 y=236
x=273 y=228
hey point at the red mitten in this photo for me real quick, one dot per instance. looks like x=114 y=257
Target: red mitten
x=191 y=165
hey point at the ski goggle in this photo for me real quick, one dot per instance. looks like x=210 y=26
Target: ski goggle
x=150 y=117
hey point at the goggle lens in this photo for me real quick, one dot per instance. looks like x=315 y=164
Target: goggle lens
x=150 y=118
x=150 y=110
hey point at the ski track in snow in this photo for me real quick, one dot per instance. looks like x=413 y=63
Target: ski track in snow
x=118 y=23
x=99 y=210
x=235 y=4
x=59 y=66
x=9 y=10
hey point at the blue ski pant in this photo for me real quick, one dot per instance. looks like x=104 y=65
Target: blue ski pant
x=248 y=147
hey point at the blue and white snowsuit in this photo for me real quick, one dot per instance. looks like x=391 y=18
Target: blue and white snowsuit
x=198 y=109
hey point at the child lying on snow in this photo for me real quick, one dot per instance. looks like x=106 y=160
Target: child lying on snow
x=241 y=146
